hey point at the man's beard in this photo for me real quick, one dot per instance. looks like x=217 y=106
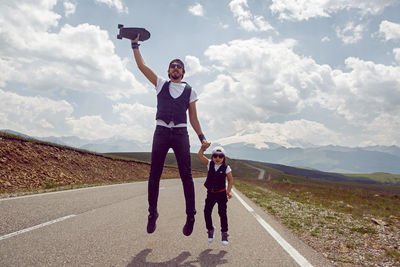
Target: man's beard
x=176 y=75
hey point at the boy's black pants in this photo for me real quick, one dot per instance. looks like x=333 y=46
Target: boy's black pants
x=178 y=139
x=213 y=198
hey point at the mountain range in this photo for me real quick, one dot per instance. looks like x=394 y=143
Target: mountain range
x=336 y=159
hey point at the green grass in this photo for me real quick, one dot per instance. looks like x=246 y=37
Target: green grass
x=50 y=183
x=354 y=198
x=393 y=253
x=364 y=230
x=381 y=177
x=333 y=213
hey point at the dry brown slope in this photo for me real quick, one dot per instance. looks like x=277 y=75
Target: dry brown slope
x=29 y=166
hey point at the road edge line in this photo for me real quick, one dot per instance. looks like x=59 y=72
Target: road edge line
x=281 y=241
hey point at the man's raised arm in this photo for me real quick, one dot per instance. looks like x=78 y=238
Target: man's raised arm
x=149 y=73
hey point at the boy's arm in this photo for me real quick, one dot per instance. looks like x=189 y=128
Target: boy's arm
x=201 y=156
x=149 y=73
x=230 y=184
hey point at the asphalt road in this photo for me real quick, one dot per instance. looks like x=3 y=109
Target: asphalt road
x=106 y=226
x=261 y=174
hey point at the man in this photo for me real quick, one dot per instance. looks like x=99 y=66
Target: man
x=174 y=98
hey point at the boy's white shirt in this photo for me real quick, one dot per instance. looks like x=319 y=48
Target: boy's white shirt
x=175 y=90
x=216 y=166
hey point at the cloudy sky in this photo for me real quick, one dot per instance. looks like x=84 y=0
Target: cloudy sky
x=296 y=73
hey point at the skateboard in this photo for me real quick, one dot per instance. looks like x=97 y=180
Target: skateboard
x=131 y=33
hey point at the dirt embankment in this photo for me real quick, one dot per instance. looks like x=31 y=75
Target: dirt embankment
x=29 y=166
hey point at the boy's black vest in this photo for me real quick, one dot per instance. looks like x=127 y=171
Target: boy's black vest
x=216 y=179
x=172 y=109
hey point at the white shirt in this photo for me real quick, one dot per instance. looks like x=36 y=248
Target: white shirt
x=175 y=90
x=216 y=166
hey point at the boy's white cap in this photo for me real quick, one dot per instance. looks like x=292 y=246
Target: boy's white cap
x=218 y=150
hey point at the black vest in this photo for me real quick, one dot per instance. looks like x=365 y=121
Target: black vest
x=172 y=109
x=216 y=179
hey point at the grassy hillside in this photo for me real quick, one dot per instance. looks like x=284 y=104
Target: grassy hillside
x=241 y=169
x=375 y=178
x=36 y=141
x=385 y=178
x=170 y=160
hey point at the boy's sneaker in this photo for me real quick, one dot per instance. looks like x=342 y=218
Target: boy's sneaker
x=211 y=235
x=151 y=222
x=224 y=238
x=188 y=227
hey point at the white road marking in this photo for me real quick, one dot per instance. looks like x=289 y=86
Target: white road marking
x=36 y=227
x=284 y=244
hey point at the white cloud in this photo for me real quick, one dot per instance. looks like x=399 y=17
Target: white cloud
x=396 y=52
x=32 y=115
x=94 y=127
x=288 y=134
x=138 y=121
x=246 y=19
x=350 y=33
x=390 y=30
x=325 y=39
x=33 y=16
x=306 y=9
x=197 y=10
x=384 y=130
x=117 y=4
x=6 y=70
x=40 y=116
x=40 y=59
x=223 y=26
x=135 y=114
x=260 y=79
x=193 y=66
x=266 y=75
x=368 y=91
x=69 y=8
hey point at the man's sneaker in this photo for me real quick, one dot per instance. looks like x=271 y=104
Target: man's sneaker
x=224 y=238
x=211 y=235
x=151 y=222
x=188 y=228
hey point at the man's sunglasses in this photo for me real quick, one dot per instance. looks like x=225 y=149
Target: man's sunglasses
x=221 y=156
x=173 y=66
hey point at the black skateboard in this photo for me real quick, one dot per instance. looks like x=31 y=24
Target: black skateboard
x=131 y=33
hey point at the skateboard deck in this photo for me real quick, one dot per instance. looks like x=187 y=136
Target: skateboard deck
x=131 y=33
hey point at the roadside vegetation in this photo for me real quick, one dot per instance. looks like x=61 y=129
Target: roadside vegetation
x=351 y=224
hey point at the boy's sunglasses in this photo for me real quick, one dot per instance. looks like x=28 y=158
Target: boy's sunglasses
x=221 y=156
x=174 y=65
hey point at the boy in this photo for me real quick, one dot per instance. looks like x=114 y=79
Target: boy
x=217 y=192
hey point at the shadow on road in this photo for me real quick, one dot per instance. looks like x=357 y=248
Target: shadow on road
x=204 y=259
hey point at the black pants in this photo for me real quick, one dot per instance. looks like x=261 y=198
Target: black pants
x=211 y=200
x=177 y=139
